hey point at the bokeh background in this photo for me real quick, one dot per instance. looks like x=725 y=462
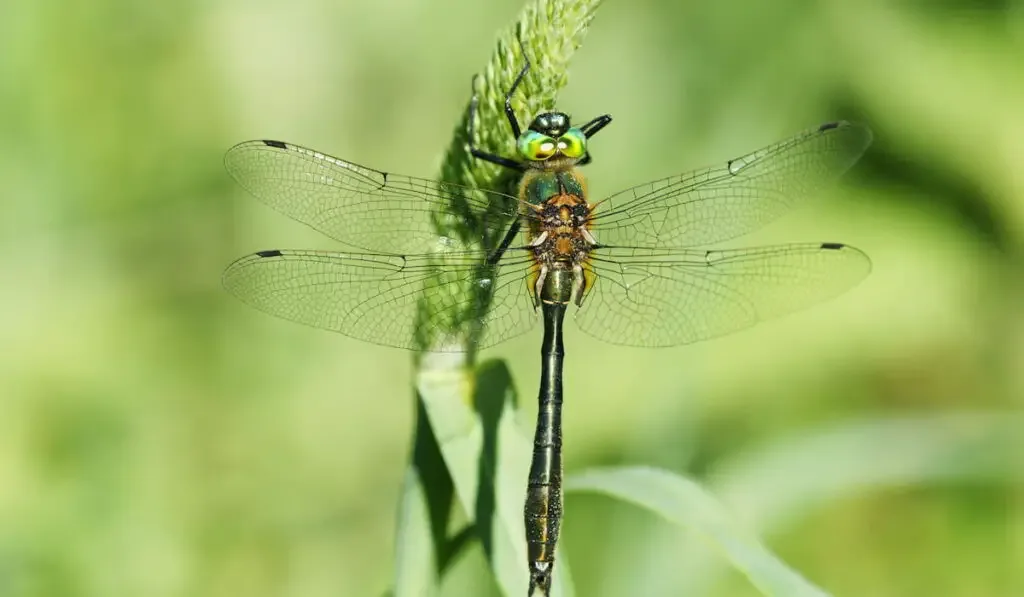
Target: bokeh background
x=159 y=438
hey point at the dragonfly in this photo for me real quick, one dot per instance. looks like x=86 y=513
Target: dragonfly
x=441 y=266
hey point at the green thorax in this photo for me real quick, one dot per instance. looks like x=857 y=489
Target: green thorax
x=538 y=186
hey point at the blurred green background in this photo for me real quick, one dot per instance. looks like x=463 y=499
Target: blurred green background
x=159 y=438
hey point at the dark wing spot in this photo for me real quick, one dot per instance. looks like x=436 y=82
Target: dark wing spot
x=833 y=246
x=269 y=253
x=829 y=125
x=277 y=144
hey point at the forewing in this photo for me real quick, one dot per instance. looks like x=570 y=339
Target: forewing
x=365 y=208
x=732 y=199
x=658 y=298
x=407 y=302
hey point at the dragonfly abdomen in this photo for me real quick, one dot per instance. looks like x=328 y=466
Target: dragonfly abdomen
x=543 y=509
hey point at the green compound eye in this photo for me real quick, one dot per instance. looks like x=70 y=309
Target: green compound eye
x=573 y=143
x=535 y=146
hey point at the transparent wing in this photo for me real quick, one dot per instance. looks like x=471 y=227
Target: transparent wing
x=389 y=299
x=650 y=297
x=365 y=208
x=723 y=202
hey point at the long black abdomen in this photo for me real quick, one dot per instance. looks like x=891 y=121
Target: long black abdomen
x=543 y=510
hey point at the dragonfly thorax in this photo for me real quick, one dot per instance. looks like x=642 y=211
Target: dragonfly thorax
x=561 y=244
x=564 y=213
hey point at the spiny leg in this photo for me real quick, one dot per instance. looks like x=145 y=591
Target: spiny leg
x=590 y=129
x=509 y=113
x=505 y=243
x=483 y=155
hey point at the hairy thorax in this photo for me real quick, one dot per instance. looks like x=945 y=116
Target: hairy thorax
x=559 y=234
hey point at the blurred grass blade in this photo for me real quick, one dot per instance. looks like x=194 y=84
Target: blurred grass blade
x=488 y=458
x=415 y=554
x=792 y=475
x=686 y=504
x=774 y=484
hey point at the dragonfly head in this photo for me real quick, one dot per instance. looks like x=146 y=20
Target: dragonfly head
x=552 y=124
x=551 y=134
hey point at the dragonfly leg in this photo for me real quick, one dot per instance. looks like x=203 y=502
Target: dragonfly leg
x=480 y=154
x=590 y=129
x=540 y=239
x=509 y=112
x=510 y=236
